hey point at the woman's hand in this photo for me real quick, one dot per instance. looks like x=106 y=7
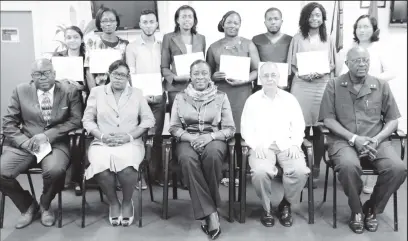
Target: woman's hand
x=218 y=76
x=181 y=78
x=235 y=82
x=101 y=79
x=116 y=139
x=201 y=141
x=307 y=77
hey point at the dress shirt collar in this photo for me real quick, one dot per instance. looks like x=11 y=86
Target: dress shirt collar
x=51 y=91
x=142 y=42
x=277 y=95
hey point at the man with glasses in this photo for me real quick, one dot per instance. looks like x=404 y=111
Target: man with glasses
x=361 y=113
x=41 y=112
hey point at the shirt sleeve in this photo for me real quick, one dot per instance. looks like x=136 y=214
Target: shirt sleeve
x=327 y=107
x=248 y=124
x=131 y=59
x=389 y=108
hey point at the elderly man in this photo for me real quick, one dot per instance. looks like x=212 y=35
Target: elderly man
x=361 y=113
x=273 y=126
x=39 y=112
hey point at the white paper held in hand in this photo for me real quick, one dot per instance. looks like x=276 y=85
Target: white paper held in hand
x=149 y=84
x=101 y=59
x=283 y=72
x=71 y=68
x=313 y=62
x=45 y=149
x=184 y=61
x=235 y=67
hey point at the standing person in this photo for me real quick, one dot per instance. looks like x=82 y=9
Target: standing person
x=309 y=89
x=237 y=90
x=273 y=46
x=143 y=56
x=107 y=21
x=183 y=40
x=366 y=34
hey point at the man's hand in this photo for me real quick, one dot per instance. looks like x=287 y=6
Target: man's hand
x=317 y=75
x=360 y=142
x=307 y=77
x=182 y=78
x=36 y=141
x=261 y=152
x=201 y=141
x=234 y=82
x=218 y=76
x=370 y=149
x=293 y=152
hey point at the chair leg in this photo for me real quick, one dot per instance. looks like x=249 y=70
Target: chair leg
x=301 y=196
x=334 y=200
x=175 y=184
x=310 y=199
x=59 y=209
x=84 y=201
x=326 y=180
x=30 y=181
x=166 y=181
x=2 y=204
x=149 y=182
x=100 y=194
x=395 y=212
x=242 y=184
x=231 y=186
x=140 y=197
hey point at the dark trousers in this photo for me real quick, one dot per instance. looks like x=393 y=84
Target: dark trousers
x=392 y=173
x=159 y=112
x=172 y=96
x=202 y=175
x=14 y=161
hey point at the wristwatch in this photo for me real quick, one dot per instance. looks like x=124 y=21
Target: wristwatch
x=351 y=141
x=212 y=135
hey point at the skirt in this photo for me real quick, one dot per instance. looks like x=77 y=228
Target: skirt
x=102 y=157
x=309 y=96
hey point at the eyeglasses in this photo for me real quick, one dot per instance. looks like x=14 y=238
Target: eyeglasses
x=108 y=21
x=360 y=60
x=119 y=75
x=37 y=75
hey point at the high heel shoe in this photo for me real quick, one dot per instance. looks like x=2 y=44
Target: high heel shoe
x=114 y=221
x=215 y=233
x=128 y=221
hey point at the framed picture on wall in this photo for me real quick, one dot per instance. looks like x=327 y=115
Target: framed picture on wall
x=366 y=4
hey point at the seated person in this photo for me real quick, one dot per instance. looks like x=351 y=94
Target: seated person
x=112 y=116
x=273 y=127
x=41 y=111
x=201 y=120
x=361 y=113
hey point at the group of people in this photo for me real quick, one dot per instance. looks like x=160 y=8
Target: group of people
x=207 y=109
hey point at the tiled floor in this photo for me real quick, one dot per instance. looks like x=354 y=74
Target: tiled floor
x=181 y=226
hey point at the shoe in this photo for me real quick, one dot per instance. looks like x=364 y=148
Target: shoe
x=369 y=183
x=78 y=190
x=370 y=219
x=114 y=221
x=356 y=223
x=267 y=219
x=285 y=215
x=47 y=217
x=204 y=228
x=214 y=234
x=128 y=221
x=27 y=217
x=144 y=186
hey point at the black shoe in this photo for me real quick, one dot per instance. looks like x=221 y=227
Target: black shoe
x=214 y=234
x=356 y=223
x=370 y=219
x=285 y=214
x=267 y=219
x=78 y=190
x=204 y=228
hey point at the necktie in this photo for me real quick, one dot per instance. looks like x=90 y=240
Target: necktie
x=46 y=107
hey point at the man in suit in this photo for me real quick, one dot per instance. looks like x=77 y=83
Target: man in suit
x=40 y=111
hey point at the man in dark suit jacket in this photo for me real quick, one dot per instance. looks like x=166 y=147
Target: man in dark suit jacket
x=41 y=111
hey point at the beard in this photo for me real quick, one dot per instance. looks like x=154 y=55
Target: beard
x=147 y=33
x=274 y=31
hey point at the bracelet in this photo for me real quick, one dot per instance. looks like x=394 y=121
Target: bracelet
x=102 y=136
x=131 y=137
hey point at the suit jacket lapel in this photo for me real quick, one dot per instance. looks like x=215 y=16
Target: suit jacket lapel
x=179 y=42
x=125 y=97
x=111 y=99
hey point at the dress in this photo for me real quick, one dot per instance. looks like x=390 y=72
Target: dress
x=309 y=94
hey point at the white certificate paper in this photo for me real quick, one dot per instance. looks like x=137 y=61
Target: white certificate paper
x=235 y=67
x=101 y=59
x=149 y=84
x=45 y=149
x=283 y=72
x=71 y=68
x=313 y=62
x=184 y=61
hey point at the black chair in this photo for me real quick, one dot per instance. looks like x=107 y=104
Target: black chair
x=368 y=169
x=82 y=135
x=308 y=151
x=35 y=170
x=169 y=154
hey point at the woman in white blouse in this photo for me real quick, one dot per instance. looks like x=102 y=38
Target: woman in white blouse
x=366 y=34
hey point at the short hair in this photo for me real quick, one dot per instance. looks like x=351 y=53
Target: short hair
x=199 y=61
x=99 y=14
x=273 y=9
x=147 y=12
x=177 y=14
x=226 y=15
x=118 y=63
x=375 y=37
x=304 y=20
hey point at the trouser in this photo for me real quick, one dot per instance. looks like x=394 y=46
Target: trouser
x=159 y=112
x=14 y=161
x=263 y=171
x=392 y=173
x=202 y=175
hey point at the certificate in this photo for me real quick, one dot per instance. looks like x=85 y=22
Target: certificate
x=235 y=67
x=71 y=68
x=283 y=72
x=43 y=151
x=101 y=59
x=313 y=62
x=184 y=61
x=149 y=84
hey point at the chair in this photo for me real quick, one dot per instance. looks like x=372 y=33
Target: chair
x=308 y=151
x=368 y=169
x=169 y=153
x=144 y=166
x=29 y=172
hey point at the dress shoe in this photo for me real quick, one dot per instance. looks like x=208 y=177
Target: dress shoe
x=267 y=219
x=204 y=228
x=27 y=217
x=356 y=223
x=370 y=219
x=285 y=215
x=127 y=221
x=78 y=190
x=114 y=221
x=47 y=217
x=214 y=234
